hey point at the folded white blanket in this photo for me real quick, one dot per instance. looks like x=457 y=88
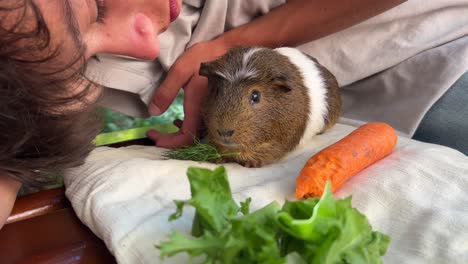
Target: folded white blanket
x=418 y=195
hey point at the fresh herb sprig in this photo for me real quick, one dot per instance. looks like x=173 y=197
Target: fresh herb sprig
x=198 y=152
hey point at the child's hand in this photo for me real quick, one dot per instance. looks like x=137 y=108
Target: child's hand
x=184 y=74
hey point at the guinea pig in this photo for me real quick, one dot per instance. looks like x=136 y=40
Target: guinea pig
x=263 y=103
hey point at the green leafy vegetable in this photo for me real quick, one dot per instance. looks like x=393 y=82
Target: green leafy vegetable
x=338 y=232
x=211 y=196
x=325 y=230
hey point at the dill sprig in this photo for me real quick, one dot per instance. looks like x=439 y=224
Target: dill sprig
x=197 y=152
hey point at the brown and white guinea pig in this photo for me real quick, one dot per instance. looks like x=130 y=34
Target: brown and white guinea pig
x=263 y=103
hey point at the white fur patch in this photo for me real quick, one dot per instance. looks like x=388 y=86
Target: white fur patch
x=221 y=74
x=318 y=108
x=244 y=72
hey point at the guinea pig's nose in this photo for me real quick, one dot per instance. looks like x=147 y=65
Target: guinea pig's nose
x=225 y=133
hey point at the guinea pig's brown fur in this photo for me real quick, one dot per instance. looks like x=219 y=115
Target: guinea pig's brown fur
x=258 y=104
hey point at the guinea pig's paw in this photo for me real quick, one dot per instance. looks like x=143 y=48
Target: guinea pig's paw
x=253 y=164
x=221 y=161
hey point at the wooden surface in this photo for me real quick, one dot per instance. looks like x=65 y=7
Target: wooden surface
x=36 y=204
x=43 y=228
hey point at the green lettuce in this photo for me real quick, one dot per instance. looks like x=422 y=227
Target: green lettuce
x=325 y=230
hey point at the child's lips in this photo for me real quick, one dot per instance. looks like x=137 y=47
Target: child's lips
x=174 y=9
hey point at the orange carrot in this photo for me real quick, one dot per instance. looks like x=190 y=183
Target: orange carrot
x=342 y=160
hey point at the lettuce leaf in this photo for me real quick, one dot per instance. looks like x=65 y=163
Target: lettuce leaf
x=325 y=230
x=330 y=231
x=212 y=197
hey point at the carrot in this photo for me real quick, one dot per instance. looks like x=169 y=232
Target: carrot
x=342 y=160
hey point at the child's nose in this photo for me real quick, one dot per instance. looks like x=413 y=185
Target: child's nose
x=135 y=38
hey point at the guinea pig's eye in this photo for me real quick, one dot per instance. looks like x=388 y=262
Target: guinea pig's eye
x=255 y=97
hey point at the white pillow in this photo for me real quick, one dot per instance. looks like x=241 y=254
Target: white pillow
x=418 y=195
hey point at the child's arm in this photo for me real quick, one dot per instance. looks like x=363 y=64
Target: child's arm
x=8 y=190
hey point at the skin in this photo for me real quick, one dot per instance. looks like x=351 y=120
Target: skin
x=129 y=28
x=8 y=191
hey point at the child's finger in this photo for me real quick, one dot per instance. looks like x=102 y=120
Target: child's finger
x=177 y=77
x=173 y=140
x=194 y=94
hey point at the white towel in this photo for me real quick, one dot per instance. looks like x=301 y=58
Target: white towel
x=418 y=195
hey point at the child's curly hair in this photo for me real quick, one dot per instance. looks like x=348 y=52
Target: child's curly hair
x=37 y=139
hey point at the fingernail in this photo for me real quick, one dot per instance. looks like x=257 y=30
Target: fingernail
x=153 y=109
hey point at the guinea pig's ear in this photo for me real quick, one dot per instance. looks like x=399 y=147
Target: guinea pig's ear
x=206 y=69
x=282 y=83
